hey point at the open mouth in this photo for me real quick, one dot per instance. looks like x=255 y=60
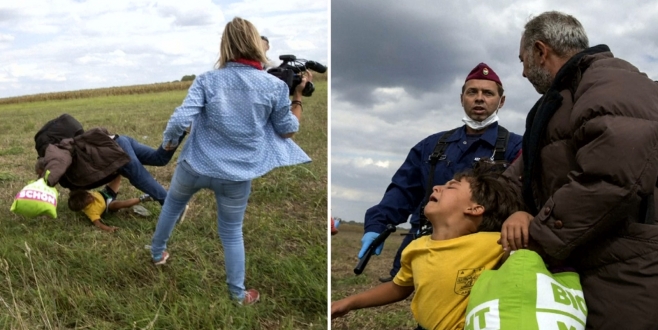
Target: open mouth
x=433 y=199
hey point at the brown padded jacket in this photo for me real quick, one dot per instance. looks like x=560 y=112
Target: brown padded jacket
x=589 y=169
x=86 y=161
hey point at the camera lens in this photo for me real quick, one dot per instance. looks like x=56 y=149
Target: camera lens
x=315 y=66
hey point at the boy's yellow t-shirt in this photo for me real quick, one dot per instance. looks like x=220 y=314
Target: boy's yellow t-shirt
x=96 y=208
x=443 y=273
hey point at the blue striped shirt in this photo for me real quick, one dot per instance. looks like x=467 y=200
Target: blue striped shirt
x=238 y=114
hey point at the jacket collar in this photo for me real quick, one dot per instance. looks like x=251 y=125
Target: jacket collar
x=251 y=63
x=564 y=76
x=233 y=64
x=489 y=136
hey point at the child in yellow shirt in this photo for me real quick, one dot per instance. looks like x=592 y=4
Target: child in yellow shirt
x=466 y=216
x=97 y=203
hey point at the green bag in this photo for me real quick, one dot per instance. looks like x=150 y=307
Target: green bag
x=523 y=294
x=35 y=199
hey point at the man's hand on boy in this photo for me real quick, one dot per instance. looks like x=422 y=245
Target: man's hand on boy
x=514 y=234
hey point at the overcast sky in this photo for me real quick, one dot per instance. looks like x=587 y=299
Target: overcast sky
x=398 y=68
x=61 y=45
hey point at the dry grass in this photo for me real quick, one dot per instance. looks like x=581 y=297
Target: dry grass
x=110 y=91
x=344 y=249
x=65 y=274
x=115 y=91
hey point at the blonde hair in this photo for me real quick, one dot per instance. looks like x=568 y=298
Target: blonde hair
x=240 y=40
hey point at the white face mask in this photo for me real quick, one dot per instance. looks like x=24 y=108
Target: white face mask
x=479 y=125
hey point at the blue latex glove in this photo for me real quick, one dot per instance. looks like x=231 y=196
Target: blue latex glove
x=368 y=238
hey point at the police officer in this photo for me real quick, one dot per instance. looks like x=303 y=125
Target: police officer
x=481 y=97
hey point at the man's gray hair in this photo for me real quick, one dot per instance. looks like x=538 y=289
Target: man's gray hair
x=562 y=32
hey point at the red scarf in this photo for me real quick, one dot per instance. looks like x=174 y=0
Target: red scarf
x=255 y=64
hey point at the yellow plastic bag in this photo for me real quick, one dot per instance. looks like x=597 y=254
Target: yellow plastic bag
x=35 y=199
x=523 y=294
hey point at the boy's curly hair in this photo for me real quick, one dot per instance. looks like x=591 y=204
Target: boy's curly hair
x=78 y=200
x=493 y=191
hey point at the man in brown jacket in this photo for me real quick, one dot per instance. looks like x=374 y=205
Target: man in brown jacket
x=86 y=161
x=589 y=170
x=96 y=157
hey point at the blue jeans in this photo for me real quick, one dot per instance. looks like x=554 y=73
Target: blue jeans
x=231 y=198
x=135 y=172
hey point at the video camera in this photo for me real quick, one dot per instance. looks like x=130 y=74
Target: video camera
x=290 y=69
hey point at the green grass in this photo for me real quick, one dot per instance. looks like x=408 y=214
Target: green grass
x=344 y=249
x=65 y=274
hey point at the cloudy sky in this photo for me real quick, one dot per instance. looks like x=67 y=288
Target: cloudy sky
x=61 y=45
x=398 y=67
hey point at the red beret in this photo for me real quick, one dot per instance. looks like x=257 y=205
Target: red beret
x=483 y=71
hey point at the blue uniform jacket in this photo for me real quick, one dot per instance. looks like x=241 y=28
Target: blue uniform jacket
x=406 y=192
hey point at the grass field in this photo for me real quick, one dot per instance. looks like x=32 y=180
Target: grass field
x=65 y=274
x=344 y=249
